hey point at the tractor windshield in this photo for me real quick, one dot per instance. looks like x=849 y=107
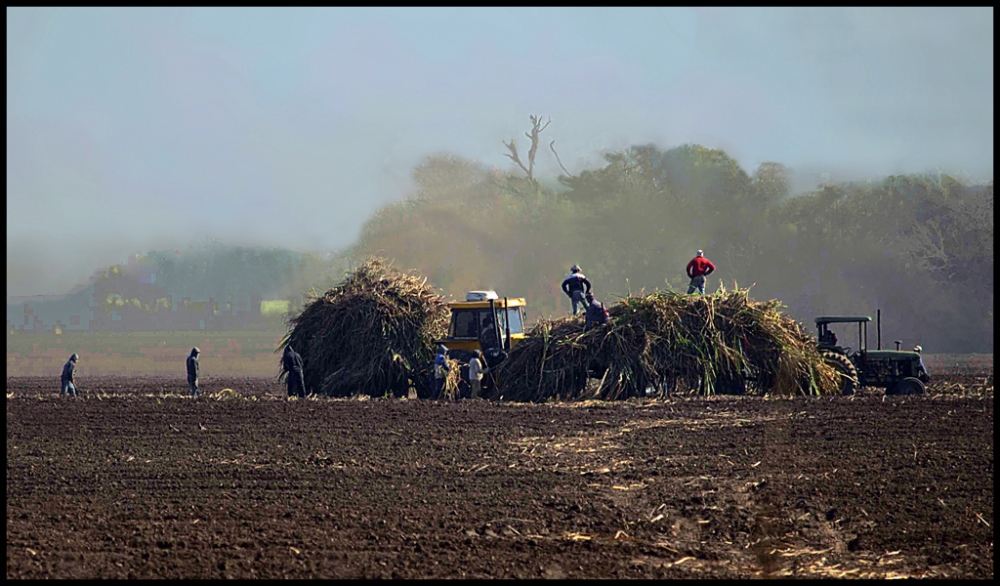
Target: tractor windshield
x=468 y=323
x=516 y=325
x=465 y=323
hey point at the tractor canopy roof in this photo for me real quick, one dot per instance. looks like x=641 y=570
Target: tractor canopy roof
x=841 y=319
x=498 y=303
x=892 y=355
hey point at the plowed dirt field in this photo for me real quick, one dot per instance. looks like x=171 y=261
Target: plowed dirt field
x=135 y=480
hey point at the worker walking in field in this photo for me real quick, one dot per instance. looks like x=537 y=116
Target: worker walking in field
x=597 y=314
x=575 y=285
x=193 y=370
x=699 y=268
x=293 y=366
x=441 y=369
x=67 y=387
x=476 y=371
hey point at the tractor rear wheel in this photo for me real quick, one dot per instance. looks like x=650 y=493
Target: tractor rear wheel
x=907 y=386
x=845 y=368
x=730 y=386
x=423 y=381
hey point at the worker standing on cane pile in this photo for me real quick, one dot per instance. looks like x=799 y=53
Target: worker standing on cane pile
x=66 y=379
x=597 y=314
x=699 y=268
x=574 y=286
x=193 y=370
x=293 y=366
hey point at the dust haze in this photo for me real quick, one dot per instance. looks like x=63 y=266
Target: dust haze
x=380 y=131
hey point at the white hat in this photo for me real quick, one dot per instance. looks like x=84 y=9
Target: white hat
x=918 y=349
x=701 y=253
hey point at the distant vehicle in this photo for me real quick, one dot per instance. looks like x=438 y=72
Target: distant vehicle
x=899 y=372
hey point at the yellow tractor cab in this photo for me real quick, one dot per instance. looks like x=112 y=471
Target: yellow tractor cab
x=483 y=322
x=484 y=319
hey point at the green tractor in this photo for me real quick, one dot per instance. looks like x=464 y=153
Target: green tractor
x=899 y=372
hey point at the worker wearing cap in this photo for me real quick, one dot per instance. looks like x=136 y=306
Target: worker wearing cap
x=441 y=369
x=574 y=286
x=66 y=379
x=920 y=358
x=193 y=370
x=699 y=268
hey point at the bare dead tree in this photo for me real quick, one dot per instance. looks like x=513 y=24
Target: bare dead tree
x=536 y=128
x=552 y=145
x=513 y=156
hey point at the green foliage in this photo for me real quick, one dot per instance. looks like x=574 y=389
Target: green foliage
x=219 y=271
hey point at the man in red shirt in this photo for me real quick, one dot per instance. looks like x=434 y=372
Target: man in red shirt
x=699 y=268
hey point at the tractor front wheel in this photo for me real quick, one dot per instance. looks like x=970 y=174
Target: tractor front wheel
x=845 y=368
x=907 y=386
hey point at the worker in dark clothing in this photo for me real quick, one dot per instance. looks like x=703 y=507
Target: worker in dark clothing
x=193 y=369
x=597 y=314
x=699 y=268
x=574 y=286
x=67 y=387
x=293 y=366
x=492 y=347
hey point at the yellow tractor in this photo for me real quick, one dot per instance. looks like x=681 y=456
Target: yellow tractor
x=487 y=323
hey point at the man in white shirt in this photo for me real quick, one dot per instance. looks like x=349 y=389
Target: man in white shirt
x=476 y=371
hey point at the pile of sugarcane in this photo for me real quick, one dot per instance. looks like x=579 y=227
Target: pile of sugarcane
x=671 y=343
x=373 y=334
x=451 y=380
x=423 y=380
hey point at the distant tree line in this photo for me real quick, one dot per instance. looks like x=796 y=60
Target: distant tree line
x=919 y=247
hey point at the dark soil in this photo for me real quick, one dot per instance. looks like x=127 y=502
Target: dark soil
x=135 y=480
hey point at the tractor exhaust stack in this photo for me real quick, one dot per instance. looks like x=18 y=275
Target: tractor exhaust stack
x=878 y=329
x=506 y=321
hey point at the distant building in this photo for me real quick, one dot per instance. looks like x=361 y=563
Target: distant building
x=122 y=303
x=136 y=296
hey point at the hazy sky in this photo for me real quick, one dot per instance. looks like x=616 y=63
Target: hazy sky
x=130 y=129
